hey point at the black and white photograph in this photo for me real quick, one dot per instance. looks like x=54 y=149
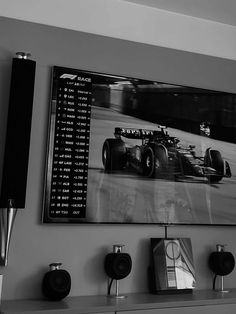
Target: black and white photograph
x=156 y=152
x=118 y=156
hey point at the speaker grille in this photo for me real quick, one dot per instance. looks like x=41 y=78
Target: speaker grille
x=118 y=265
x=15 y=163
x=56 y=284
x=221 y=263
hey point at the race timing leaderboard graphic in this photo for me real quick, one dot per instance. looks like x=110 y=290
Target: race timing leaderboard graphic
x=69 y=146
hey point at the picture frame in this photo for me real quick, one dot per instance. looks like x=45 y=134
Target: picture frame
x=171 y=268
x=138 y=152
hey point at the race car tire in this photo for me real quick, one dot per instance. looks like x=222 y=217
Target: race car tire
x=214 y=159
x=161 y=161
x=147 y=162
x=154 y=161
x=113 y=154
x=227 y=169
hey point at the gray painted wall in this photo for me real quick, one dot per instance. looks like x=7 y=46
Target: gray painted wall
x=81 y=249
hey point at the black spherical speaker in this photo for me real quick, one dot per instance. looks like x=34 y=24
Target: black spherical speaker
x=56 y=283
x=221 y=263
x=118 y=265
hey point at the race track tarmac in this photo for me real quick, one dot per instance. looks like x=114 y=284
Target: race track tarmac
x=127 y=197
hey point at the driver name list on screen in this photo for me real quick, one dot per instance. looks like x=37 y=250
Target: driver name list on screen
x=68 y=190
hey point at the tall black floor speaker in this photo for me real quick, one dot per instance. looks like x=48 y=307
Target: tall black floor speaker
x=16 y=155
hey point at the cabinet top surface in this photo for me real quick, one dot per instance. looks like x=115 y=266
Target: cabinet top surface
x=134 y=301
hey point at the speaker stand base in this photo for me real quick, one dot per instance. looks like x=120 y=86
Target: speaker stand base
x=222 y=290
x=116 y=295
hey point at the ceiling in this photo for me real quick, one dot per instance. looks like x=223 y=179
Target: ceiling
x=223 y=11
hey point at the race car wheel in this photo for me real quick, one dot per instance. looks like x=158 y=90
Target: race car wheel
x=148 y=162
x=154 y=162
x=214 y=159
x=113 y=154
x=161 y=161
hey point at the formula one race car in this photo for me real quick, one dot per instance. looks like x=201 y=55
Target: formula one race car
x=160 y=154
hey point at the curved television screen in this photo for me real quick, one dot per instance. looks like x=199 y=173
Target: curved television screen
x=126 y=150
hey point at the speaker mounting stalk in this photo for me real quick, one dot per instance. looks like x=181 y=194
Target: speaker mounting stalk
x=117 y=248
x=221 y=248
x=7 y=219
x=222 y=290
x=116 y=295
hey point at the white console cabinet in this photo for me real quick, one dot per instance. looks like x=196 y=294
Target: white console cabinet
x=200 y=301
x=203 y=309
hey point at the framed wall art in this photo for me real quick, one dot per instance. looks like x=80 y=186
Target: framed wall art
x=172 y=267
x=126 y=150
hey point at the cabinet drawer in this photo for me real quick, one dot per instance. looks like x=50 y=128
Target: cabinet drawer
x=104 y=313
x=204 y=309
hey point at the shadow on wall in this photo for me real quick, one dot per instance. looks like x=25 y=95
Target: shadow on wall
x=94 y=269
x=201 y=266
x=141 y=261
x=31 y=283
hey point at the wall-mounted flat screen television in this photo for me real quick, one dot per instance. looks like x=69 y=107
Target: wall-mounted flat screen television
x=131 y=151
